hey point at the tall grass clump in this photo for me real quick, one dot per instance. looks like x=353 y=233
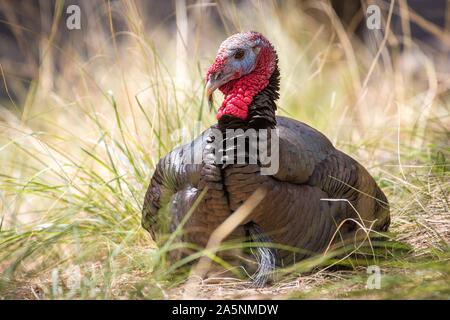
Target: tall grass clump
x=79 y=149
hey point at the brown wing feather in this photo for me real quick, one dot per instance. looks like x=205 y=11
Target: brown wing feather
x=296 y=211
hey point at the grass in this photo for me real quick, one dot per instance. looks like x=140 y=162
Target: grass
x=77 y=154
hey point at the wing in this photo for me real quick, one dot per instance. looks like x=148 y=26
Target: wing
x=310 y=171
x=174 y=173
x=302 y=148
x=308 y=157
x=178 y=180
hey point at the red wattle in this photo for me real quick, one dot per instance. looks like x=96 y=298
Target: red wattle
x=238 y=98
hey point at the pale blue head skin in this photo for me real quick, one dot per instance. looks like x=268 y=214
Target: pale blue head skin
x=232 y=45
x=228 y=66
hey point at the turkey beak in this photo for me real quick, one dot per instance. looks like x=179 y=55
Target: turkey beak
x=209 y=89
x=215 y=80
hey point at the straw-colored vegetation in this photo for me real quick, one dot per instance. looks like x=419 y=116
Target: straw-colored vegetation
x=77 y=155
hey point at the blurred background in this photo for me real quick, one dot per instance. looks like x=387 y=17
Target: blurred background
x=86 y=111
x=27 y=24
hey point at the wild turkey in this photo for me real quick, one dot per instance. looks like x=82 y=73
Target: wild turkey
x=296 y=210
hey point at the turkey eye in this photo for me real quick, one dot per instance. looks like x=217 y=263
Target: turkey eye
x=239 y=54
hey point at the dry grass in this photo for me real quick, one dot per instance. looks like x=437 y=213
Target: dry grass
x=77 y=154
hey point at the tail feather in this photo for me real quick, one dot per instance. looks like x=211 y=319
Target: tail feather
x=266 y=257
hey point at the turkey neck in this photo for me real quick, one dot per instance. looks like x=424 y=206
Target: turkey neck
x=261 y=111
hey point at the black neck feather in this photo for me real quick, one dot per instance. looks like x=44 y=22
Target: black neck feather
x=261 y=112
